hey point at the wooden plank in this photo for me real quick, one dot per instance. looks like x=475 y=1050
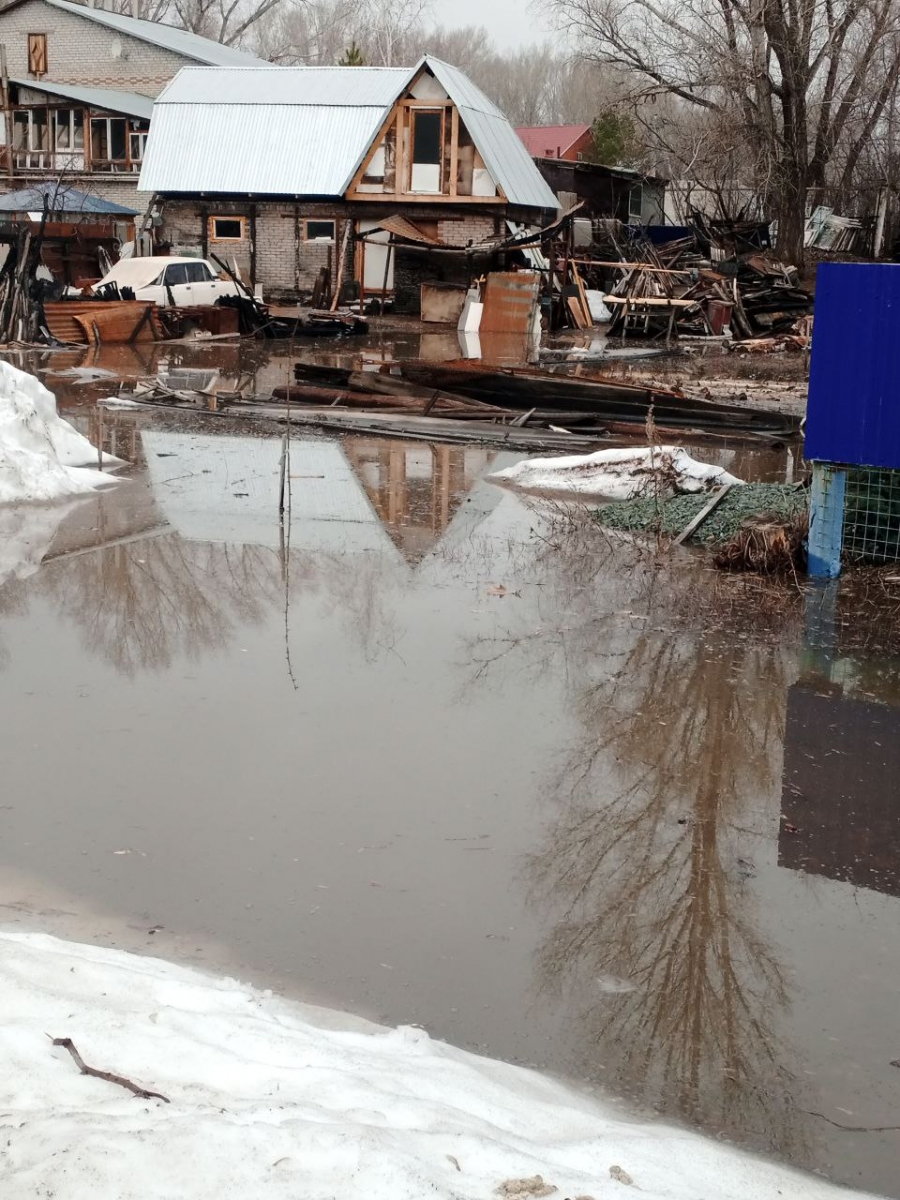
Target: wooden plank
x=585 y=307
x=636 y=302
x=694 y=524
x=628 y=266
x=454 y=148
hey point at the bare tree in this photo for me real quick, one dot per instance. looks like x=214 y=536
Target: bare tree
x=798 y=80
x=392 y=25
x=145 y=10
x=315 y=33
x=225 y=21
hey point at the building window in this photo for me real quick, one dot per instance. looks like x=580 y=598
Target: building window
x=109 y=143
x=320 y=231
x=37 y=54
x=68 y=133
x=427 y=143
x=137 y=140
x=31 y=137
x=226 y=229
x=636 y=202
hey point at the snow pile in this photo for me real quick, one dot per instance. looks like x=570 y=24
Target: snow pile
x=269 y=1099
x=41 y=456
x=617 y=474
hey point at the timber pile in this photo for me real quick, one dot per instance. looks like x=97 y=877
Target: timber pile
x=20 y=310
x=584 y=405
x=465 y=402
x=721 y=274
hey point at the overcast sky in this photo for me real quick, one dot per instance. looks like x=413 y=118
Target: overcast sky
x=511 y=23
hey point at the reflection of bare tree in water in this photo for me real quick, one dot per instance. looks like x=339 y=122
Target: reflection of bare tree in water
x=144 y=604
x=362 y=589
x=679 y=724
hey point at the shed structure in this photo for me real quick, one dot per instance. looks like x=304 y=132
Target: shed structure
x=853 y=418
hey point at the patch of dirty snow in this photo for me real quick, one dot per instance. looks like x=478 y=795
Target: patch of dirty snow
x=42 y=457
x=266 y=1098
x=621 y=474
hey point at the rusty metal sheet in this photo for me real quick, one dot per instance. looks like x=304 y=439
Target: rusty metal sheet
x=510 y=301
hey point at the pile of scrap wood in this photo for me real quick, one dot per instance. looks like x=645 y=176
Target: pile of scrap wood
x=20 y=309
x=523 y=409
x=717 y=276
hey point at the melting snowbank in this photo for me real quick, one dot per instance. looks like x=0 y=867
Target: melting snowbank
x=269 y=1099
x=41 y=456
x=617 y=474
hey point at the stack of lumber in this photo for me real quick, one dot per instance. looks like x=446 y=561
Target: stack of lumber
x=19 y=309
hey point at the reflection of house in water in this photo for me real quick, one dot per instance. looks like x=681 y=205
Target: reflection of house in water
x=351 y=496
x=416 y=489
x=841 y=764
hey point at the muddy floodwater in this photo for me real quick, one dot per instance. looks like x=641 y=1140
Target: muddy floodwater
x=437 y=754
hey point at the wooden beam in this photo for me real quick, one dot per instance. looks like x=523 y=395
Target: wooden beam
x=422 y=198
x=693 y=525
x=454 y=148
x=376 y=142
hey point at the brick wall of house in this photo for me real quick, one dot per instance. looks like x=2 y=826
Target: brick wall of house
x=287 y=262
x=81 y=51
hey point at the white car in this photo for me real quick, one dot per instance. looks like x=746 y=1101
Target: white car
x=182 y=282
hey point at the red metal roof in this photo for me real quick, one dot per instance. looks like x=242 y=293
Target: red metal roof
x=551 y=141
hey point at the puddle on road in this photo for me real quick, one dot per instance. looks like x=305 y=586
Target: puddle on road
x=436 y=757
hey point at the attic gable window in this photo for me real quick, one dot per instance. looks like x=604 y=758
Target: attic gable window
x=37 y=54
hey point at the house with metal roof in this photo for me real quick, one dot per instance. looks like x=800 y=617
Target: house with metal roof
x=380 y=176
x=79 y=90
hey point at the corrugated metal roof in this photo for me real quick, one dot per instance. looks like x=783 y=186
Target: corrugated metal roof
x=179 y=41
x=345 y=87
x=305 y=130
x=62 y=200
x=129 y=103
x=459 y=87
x=551 y=141
x=279 y=149
x=510 y=164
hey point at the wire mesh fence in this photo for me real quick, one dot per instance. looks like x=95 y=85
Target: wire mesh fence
x=872 y=515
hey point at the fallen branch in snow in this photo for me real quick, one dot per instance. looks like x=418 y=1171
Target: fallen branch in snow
x=851 y=1128
x=69 y=1045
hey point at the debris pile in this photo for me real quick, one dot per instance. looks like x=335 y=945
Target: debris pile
x=517 y=408
x=714 y=279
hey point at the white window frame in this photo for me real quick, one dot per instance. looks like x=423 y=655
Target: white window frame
x=323 y=241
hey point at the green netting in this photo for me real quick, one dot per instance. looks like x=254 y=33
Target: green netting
x=669 y=517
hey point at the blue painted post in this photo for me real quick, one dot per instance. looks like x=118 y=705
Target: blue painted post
x=826 y=521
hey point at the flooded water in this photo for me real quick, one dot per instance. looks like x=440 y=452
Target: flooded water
x=432 y=754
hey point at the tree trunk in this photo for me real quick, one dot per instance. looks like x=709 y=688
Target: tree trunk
x=790 y=212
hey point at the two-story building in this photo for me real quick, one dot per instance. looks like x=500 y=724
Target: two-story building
x=78 y=87
x=391 y=175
